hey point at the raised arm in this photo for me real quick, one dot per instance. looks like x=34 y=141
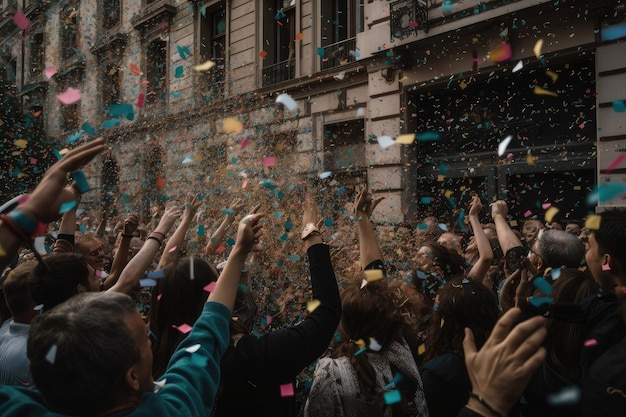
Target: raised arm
x=485 y=252
x=364 y=205
x=506 y=236
x=102 y=226
x=217 y=237
x=134 y=271
x=121 y=255
x=67 y=229
x=45 y=202
x=176 y=240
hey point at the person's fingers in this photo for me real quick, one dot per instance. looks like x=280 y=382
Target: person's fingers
x=80 y=156
x=531 y=342
x=376 y=201
x=469 y=345
x=534 y=362
x=524 y=330
x=504 y=325
x=254 y=209
x=319 y=224
x=253 y=219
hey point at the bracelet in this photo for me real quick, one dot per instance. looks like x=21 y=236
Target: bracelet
x=127 y=235
x=17 y=231
x=158 y=233
x=155 y=238
x=24 y=222
x=484 y=403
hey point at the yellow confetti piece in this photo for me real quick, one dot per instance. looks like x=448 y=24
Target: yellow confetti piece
x=513 y=223
x=372 y=275
x=543 y=92
x=442 y=322
x=205 y=67
x=593 y=221
x=578 y=188
x=403 y=79
x=21 y=143
x=530 y=160
x=63 y=151
x=312 y=305
x=550 y=213
x=407 y=139
x=421 y=349
x=360 y=343
x=16 y=153
x=2 y=251
x=232 y=125
x=441 y=178
x=553 y=75
x=537 y=48
x=449 y=193
x=463 y=85
x=197 y=158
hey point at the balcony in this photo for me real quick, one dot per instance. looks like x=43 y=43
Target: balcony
x=277 y=73
x=407 y=17
x=154 y=14
x=338 y=54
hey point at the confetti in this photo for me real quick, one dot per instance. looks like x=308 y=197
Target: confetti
x=183 y=328
x=615 y=163
x=542 y=285
x=193 y=348
x=567 y=396
x=204 y=67
x=269 y=161
x=262 y=54
x=286 y=390
x=590 y=343
x=539 y=301
x=311 y=305
x=183 y=51
x=501 y=53
x=52 y=354
x=385 y=141
x=299 y=36
x=232 y=125
x=518 y=67
x=537 y=48
x=70 y=96
x=21 y=143
x=325 y=175
x=135 y=69
x=543 y=92
x=550 y=213
x=21 y=20
x=504 y=144
x=287 y=101
x=67 y=206
x=374 y=345
x=553 y=75
x=406 y=139
x=158 y=274
x=49 y=72
x=210 y=287
x=372 y=275
x=360 y=343
x=421 y=349
x=81 y=181
x=392 y=397
x=146 y=282
x=179 y=71
x=592 y=221
x=140 y=100
x=428 y=136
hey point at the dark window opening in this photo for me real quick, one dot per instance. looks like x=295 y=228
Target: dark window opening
x=279 y=27
x=213 y=47
x=111 y=14
x=344 y=145
x=36 y=54
x=157 y=71
x=70 y=32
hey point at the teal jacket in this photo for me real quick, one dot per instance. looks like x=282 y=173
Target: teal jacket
x=192 y=379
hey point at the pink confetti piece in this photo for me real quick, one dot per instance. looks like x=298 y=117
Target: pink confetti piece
x=615 y=163
x=183 y=328
x=270 y=319
x=140 y=100
x=269 y=161
x=50 y=71
x=286 y=390
x=33 y=161
x=528 y=213
x=172 y=249
x=21 y=20
x=70 y=96
x=590 y=343
x=210 y=287
x=546 y=205
x=244 y=143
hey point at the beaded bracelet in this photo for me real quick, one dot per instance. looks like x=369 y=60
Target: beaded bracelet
x=485 y=404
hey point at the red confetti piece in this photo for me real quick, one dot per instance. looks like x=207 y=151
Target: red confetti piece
x=244 y=143
x=160 y=182
x=140 y=100
x=135 y=69
x=21 y=20
x=210 y=287
x=590 y=342
x=220 y=249
x=270 y=319
x=269 y=161
x=262 y=54
x=286 y=390
x=183 y=328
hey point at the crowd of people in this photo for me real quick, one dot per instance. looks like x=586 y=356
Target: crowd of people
x=129 y=319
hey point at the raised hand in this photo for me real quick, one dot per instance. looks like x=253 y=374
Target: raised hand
x=130 y=224
x=249 y=232
x=499 y=208
x=475 y=206
x=364 y=204
x=167 y=221
x=192 y=204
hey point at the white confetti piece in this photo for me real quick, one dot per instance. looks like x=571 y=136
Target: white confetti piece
x=504 y=144
x=374 y=345
x=518 y=67
x=192 y=272
x=287 y=101
x=360 y=112
x=385 y=141
x=205 y=67
x=52 y=354
x=39 y=244
x=193 y=348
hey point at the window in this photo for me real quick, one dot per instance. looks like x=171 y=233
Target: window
x=279 y=27
x=344 y=145
x=213 y=22
x=111 y=83
x=36 y=54
x=69 y=29
x=156 y=71
x=110 y=13
x=340 y=22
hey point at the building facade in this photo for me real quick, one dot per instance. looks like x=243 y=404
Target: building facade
x=452 y=79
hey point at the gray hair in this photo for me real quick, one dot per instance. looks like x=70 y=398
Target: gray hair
x=559 y=248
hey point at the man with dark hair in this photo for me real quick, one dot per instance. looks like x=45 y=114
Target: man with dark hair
x=63 y=276
x=530 y=231
x=13 y=361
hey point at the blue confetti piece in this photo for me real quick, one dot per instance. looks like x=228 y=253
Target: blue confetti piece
x=425 y=200
x=288 y=225
x=328 y=222
x=67 y=206
x=392 y=397
x=110 y=123
x=200 y=231
x=294 y=258
x=117 y=110
x=443 y=227
x=429 y=136
x=228 y=212
x=567 y=396
x=88 y=129
x=278 y=215
x=358 y=352
x=421 y=274
x=74 y=137
x=158 y=274
x=614 y=32
x=81 y=181
x=543 y=285
x=538 y=302
x=179 y=72
x=340 y=190
x=147 y=282
x=325 y=175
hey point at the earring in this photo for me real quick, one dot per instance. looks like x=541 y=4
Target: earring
x=606 y=267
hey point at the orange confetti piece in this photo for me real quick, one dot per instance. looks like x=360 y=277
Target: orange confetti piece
x=135 y=69
x=160 y=182
x=220 y=249
x=299 y=36
x=262 y=54
x=232 y=125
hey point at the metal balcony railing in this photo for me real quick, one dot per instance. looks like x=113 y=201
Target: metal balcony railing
x=338 y=53
x=408 y=16
x=277 y=73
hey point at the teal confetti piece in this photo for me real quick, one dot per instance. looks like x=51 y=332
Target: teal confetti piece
x=425 y=200
x=88 y=129
x=179 y=72
x=429 y=136
x=200 y=231
x=81 y=181
x=228 y=212
x=358 y=352
x=183 y=51
x=461 y=217
x=542 y=285
x=284 y=237
x=328 y=222
x=280 y=195
x=74 y=137
x=230 y=241
x=321 y=52
x=288 y=225
x=422 y=226
x=392 y=397
x=294 y=258
x=67 y=206
x=269 y=184
x=199 y=197
x=110 y=123
x=278 y=215
x=619 y=106
x=538 y=302
x=117 y=110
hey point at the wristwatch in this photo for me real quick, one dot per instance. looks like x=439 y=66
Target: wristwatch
x=310 y=230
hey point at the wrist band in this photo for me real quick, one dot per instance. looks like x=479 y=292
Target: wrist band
x=155 y=238
x=17 y=231
x=158 y=233
x=484 y=403
x=127 y=235
x=24 y=222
